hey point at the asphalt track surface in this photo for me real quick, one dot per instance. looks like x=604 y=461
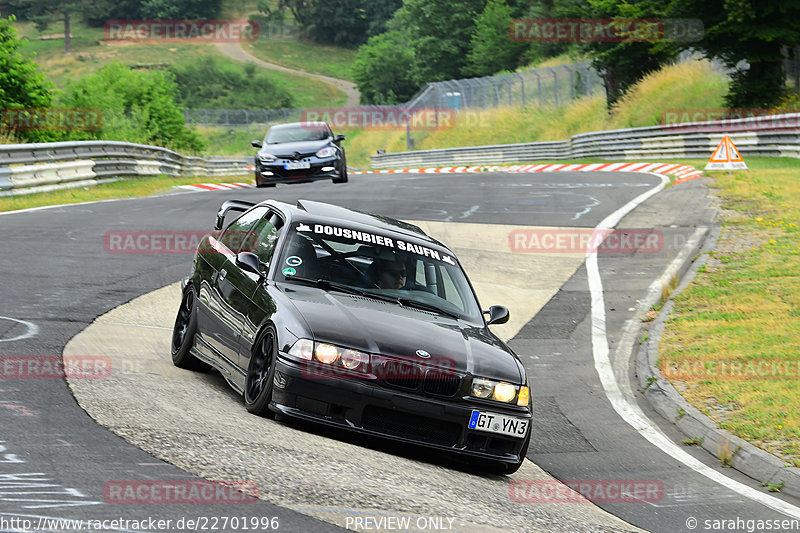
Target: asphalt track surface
x=58 y=278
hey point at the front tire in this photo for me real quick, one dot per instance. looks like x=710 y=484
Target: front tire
x=342 y=173
x=261 y=373
x=183 y=334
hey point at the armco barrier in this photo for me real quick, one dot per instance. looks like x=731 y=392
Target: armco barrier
x=774 y=135
x=28 y=168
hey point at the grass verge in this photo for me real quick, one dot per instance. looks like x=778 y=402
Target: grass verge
x=305 y=55
x=128 y=188
x=732 y=344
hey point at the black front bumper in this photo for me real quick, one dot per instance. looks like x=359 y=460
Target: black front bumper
x=364 y=406
x=276 y=173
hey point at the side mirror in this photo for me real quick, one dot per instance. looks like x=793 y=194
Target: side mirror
x=249 y=262
x=498 y=314
x=339 y=138
x=256 y=144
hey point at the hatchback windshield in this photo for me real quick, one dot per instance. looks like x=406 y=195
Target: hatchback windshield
x=295 y=133
x=384 y=266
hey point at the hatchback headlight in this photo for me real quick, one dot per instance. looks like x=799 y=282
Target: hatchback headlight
x=328 y=151
x=266 y=158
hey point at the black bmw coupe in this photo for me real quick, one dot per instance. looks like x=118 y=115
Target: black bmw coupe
x=300 y=152
x=353 y=320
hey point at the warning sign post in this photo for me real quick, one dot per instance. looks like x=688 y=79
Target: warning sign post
x=726 y=157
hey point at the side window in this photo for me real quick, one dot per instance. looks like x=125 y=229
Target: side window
x=234 y=235
x=451 y=292
x=263 y=237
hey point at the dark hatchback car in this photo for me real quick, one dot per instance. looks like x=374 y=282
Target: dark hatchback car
x=357 y=321
x=300 y=152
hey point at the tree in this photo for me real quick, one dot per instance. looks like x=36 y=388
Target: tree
x=180 y=9
x=339 y=22
x=45 y=12
x=754 y=31
x=623 y=62
x=492 y=49
x=382 y=70
x=22 y=86
x=439 y=33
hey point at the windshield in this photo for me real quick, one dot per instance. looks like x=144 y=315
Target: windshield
x=296 y=133
x=385 y=266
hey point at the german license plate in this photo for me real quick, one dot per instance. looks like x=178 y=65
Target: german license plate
x=298 y=165
x=497 y=423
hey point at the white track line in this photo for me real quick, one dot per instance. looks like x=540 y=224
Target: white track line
x=629 y=411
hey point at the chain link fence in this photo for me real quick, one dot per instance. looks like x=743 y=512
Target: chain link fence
x=546 y=86
x=240 y=117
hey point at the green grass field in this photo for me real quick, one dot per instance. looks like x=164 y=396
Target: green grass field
x=90 y=52
x=732 y=345
x=305 y=55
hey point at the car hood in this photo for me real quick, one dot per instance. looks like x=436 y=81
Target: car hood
x=389 y=329
x=285 y=149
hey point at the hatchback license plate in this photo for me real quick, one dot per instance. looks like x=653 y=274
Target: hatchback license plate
x=497 y=423
x=299 y=165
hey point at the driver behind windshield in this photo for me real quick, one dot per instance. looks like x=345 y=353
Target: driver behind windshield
x=389 y=274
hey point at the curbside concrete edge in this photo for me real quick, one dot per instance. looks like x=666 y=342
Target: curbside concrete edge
x=747 y=458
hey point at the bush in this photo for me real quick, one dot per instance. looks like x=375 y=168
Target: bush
x=208 y=83
x=136 y=105
x=22 y=86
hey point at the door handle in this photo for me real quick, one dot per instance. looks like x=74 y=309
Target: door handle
x=222 y=274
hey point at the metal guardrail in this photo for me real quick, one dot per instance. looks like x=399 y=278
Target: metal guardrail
x=773 y=135
x=26 y=168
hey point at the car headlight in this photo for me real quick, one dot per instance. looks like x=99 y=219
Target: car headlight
x=329 y=354
x=504 y=392
x=266 y=158
x=352 y=359
x=326 y=353
x=328 y=151
x=302 y=349
x=482 y=388
x=498 y=390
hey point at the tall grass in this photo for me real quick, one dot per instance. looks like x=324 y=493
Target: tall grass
x=687 y=85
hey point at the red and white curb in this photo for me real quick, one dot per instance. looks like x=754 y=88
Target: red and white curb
x=683 y=173
x=216 y=186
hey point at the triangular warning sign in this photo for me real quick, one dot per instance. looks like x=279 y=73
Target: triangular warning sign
x=725 y=156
